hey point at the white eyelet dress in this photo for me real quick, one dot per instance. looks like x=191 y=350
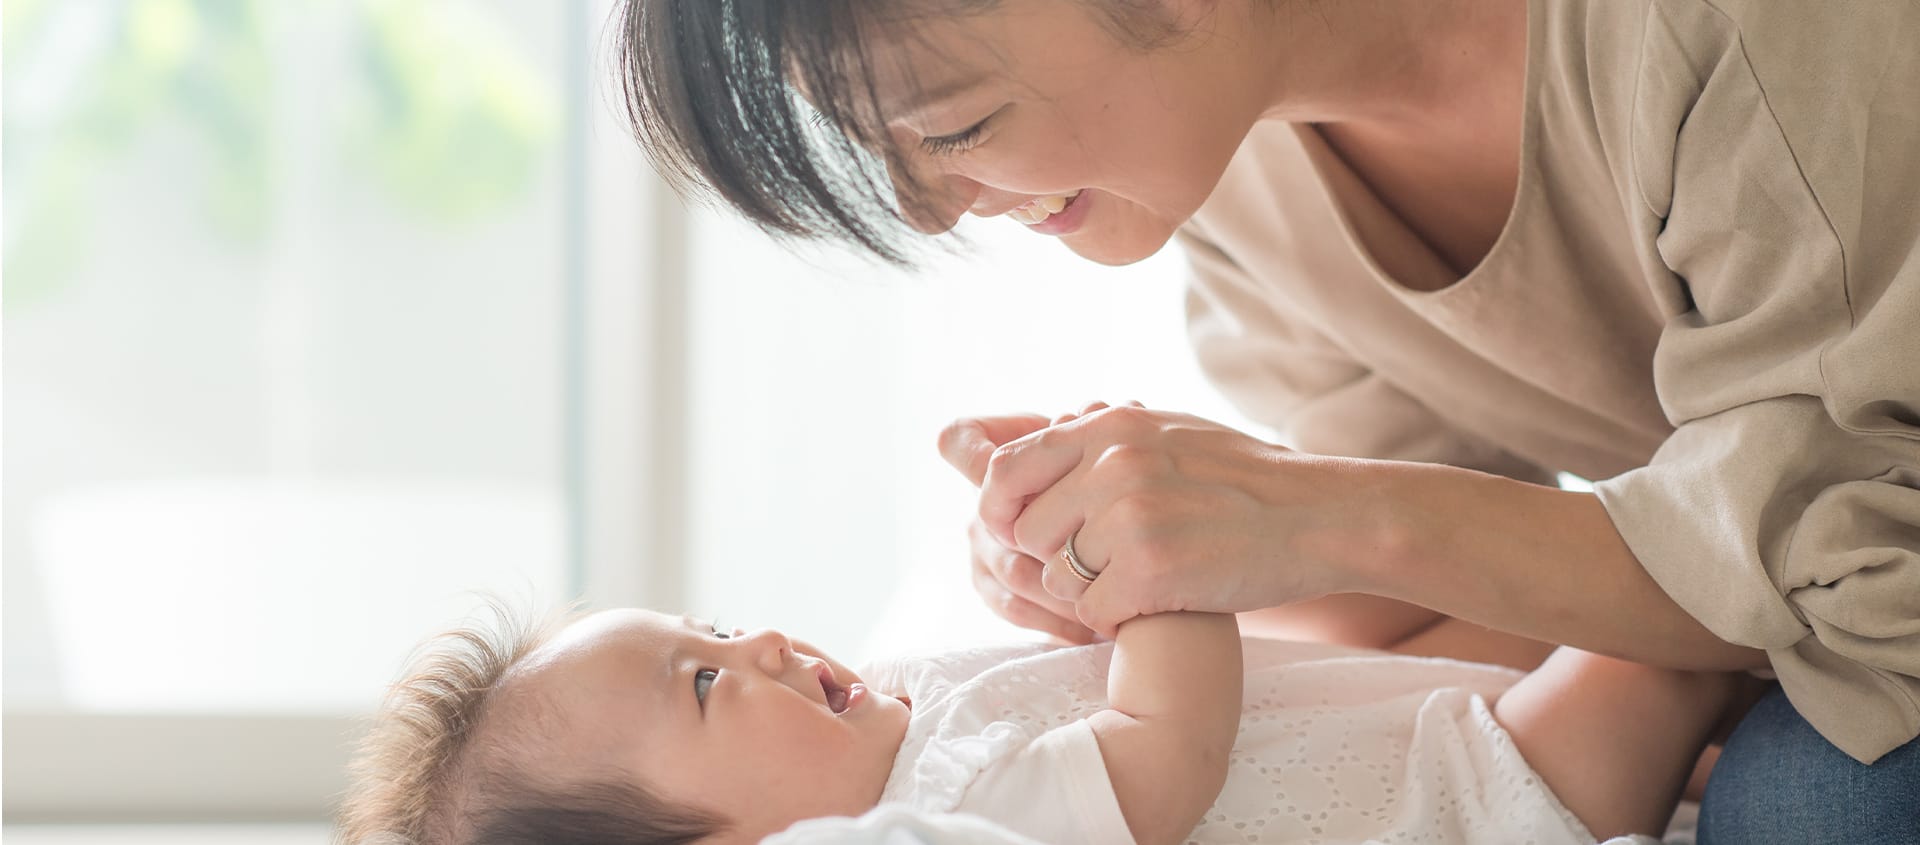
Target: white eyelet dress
x=1335 y=745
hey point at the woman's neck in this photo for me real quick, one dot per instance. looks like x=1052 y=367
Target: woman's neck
x=1402 y=66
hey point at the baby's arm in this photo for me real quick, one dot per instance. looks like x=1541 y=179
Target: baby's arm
x=1615 y=740
x=1174 y=691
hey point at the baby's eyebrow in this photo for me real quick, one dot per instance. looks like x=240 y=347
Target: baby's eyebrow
x=670 y=661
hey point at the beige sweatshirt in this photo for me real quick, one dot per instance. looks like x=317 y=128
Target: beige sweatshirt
x=1707 y=294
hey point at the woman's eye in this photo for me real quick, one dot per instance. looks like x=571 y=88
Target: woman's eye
x=702 y=681
x=719 y=632
x=956 y=143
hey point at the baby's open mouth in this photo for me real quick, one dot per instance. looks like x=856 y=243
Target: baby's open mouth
x=837 y=695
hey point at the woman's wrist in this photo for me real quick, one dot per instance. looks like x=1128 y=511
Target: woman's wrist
x=1381 y=529
x=1425 y=529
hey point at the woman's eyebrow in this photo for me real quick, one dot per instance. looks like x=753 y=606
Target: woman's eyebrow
x=924 y=98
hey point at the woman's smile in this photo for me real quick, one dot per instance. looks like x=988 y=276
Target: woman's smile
x=1057 y=214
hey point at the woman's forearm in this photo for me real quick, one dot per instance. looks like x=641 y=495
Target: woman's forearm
x=1534 y=561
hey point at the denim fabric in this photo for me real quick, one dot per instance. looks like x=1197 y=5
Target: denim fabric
x=1779 y=781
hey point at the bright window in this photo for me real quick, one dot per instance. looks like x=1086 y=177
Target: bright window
x=284 y=353
x=320 y=317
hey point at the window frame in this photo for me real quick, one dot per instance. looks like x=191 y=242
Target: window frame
x=625 y=274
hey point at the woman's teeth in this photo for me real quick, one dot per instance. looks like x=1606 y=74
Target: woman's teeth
x=1038 y=210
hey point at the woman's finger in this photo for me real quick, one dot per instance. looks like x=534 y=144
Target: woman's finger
x=1105 y=604
x=1019 y=471
x=1015 y=573
x=1033 y=617
x=967 y=443
x=1086 y=409
x=1121 y=589
x=1025 y=613
x=1053 y=515
x=1060 y=582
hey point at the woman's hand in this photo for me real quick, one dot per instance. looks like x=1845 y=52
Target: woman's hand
x=1011 y=583
x=1174 y=512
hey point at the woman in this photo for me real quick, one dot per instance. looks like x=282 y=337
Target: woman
x=1701 y=284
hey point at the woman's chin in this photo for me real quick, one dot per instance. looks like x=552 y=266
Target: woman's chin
x=1116 y=249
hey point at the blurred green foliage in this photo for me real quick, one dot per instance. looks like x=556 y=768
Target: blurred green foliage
x=443 y=114
x=454 y=124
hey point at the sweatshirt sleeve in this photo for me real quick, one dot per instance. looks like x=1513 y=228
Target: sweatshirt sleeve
x=1774 y=151
x=1279 y=370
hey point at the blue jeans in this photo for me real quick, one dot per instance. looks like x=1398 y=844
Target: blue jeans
x=1779 y=781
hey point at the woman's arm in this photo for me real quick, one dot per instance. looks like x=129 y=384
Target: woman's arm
x=1174 y=693
x=1191 y=515
x=1539 y=562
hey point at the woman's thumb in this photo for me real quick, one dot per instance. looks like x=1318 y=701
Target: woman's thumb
x=968 y=442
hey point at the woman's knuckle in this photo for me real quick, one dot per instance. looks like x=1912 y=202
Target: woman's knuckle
x=1129 y=418
x=1003 y=455
x=1122 y=462
x=1135 y=513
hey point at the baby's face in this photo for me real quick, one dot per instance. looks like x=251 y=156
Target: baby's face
x=759 y=728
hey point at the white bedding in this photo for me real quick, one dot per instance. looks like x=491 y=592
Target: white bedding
x=895 y=824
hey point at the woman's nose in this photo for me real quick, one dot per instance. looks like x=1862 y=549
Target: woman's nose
x=936 y=205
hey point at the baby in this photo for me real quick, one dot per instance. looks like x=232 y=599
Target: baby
x=629 y=726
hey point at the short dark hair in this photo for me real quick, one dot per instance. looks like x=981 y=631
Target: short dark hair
x=438 y=766
x=710 y=88
x=605 y=811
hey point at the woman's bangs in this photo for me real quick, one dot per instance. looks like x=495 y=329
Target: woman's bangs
x=714 y=89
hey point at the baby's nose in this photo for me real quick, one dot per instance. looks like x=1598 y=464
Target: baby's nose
x=770 y=649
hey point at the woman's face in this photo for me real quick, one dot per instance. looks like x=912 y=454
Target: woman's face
x=1034 y=101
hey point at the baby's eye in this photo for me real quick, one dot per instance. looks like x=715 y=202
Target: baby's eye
x=720 y=632
x=702 y=680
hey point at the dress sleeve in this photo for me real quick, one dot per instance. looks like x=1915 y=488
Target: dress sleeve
x=1279 y=370
x=1784 y=512
x=1054 y=790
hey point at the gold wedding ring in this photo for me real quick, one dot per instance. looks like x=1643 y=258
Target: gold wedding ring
x=1074 y=565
